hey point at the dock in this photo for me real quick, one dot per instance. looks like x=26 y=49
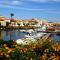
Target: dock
x=46 y=36
x=44 y=40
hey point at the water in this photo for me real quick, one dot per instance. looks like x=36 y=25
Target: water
x=11 y=35
x=16 y=34
x=56 y=38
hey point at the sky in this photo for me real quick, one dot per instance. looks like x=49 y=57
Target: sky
x=28 y=9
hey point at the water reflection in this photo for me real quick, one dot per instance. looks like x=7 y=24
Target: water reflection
x=11 y=35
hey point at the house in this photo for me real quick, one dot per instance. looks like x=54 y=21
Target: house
x=19 y=22
x=25 y=22
x=39 y=24
x=33 y=22
x=13 y=22
x=2 y=21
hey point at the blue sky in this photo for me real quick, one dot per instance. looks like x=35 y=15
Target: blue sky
x=27 y=9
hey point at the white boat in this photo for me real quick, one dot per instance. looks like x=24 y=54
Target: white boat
x=43 y=28
x=29 y=36
x=44 y=33
x=30 y=31
x=22 y=30
x=39 y=35
x=27 y=31
x=57 y=30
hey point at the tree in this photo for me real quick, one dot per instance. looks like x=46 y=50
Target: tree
x=0 y=24
x=7 y=23
x=18 y=24
x=11 y=15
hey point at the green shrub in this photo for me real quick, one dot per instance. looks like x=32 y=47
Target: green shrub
x=10 y=43
x=1 y=42
x=4 y=58
x=31 y=54
x=16 y=54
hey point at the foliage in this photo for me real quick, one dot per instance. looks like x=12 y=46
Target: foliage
x=29 y=52
x=7 y=23
x=11 y=43
x=16 y=54
x=12 y=14
x=1 y=42
x=4 y=58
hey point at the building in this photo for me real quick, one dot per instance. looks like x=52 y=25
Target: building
x=27 y=22
x=13 y=22
x=4 y=21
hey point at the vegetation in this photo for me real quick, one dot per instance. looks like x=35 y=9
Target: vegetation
x=10 y=50
x=12 y=14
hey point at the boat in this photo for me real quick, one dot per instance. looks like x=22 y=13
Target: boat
x=41 y=29
x=57 y=32
x=29 y=36
x=29 y=31
x=23 y=31
x=38 y=35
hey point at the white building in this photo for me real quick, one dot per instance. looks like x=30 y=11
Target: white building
x=13 y=22
x=21 y=23
x=4 y=20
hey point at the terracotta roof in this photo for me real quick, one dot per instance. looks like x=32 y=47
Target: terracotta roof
x=1 y=19
x=13 y=20
x=27 y=20
x=18 y=20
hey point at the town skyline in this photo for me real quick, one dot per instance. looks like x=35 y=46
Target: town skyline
x=40 y=9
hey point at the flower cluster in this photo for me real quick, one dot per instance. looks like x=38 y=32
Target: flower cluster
x=13 y=51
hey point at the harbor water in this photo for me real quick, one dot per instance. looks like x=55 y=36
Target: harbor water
x=17 y=34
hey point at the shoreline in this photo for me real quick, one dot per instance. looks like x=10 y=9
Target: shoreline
x=14 y=27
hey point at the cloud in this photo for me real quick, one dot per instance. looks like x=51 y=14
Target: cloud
x=44 y=1
x=15 y=7
x=32 y=9
x=13 y=2
x=56 y=0
x=16 y=2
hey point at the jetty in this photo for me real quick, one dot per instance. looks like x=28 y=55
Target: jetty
x=46 y=36
x=43 y=40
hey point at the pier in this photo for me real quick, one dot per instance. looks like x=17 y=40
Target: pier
x=46 y=36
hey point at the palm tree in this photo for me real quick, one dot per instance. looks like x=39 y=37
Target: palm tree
x=11 y=15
